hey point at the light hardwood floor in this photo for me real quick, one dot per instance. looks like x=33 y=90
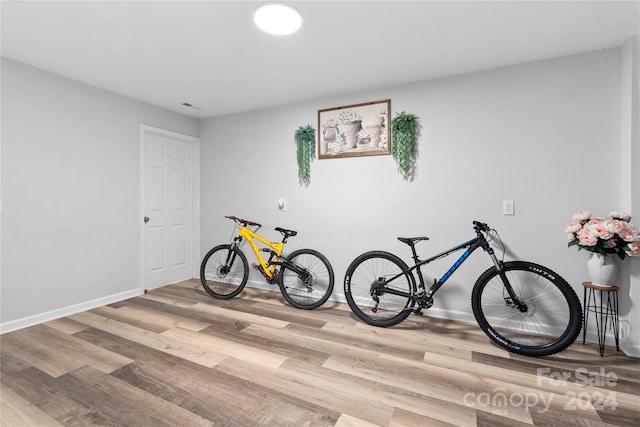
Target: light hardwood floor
x=177 y=357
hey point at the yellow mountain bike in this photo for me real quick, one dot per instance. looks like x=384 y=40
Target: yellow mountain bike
x=305 y=276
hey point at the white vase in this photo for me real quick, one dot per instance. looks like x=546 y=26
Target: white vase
x=374 y=133
x=330 y=133
x=350 y=130
x=602 y=269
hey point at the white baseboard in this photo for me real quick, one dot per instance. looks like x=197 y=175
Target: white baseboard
x=25 y=322
x=630 y=350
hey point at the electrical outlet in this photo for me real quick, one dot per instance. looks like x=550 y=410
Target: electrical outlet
x=508 y=207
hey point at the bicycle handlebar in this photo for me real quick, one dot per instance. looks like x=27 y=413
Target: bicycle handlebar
x=243 y=221
x=481 y=226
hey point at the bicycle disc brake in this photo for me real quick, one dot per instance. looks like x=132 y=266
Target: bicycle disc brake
x=223 y=270
x=305 y=280
x=522 y=308
x=519 y=305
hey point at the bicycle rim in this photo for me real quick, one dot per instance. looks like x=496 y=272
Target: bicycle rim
x=307 y=291
x=552 y=319
x=219 y=279
x=373 y=303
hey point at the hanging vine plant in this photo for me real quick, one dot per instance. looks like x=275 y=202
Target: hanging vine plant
x=404 y=143
x=305 y=138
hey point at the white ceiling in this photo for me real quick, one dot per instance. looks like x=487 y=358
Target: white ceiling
x=210 y=54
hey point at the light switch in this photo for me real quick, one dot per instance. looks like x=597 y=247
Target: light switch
x=508 y=207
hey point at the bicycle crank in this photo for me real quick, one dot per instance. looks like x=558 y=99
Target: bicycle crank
x=425 y=301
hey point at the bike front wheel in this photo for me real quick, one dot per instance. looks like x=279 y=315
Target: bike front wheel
x=224 y=272
x=312 y=286
x=549 y=321
x=371 y=296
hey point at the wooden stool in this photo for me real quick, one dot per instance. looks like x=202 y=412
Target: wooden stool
x=603 y=313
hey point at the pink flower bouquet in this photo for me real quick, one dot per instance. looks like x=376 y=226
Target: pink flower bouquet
x=614 y=235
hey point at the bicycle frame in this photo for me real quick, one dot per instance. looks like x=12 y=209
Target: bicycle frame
x=471 y=246
x=478 y=242
x=268 y=266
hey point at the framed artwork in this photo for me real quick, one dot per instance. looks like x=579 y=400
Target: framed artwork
x=355 y=130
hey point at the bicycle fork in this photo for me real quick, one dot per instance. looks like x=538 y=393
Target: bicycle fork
x=512 y=300
x=231 y=257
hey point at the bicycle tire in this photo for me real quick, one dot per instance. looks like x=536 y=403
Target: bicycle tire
x=221 y=281
x=361 y=286
x=550 y=324
x=307 y=293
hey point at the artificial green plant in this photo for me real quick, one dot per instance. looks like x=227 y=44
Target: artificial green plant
x=305 y=138
x=404 y=143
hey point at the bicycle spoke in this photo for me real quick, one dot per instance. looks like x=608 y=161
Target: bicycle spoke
x=549 y=321
x=311 y=288
x=368 y=292
x=220 y=278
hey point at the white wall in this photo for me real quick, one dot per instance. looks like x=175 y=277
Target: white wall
x=70 y=193
x=545 y=134
x=630 y=195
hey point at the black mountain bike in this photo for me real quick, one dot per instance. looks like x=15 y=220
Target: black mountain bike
x=523 y=307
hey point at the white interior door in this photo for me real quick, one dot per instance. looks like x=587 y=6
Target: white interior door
x=168 y=207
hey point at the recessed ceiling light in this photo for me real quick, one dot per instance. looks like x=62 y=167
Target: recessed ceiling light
x=277 y=18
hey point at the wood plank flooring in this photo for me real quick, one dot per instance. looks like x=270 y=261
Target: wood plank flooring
x=177 y=357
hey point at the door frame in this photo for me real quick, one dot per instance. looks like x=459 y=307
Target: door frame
x=195 y=179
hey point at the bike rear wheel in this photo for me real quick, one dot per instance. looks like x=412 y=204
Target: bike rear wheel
x=367 y=290
x=312 y=288
x=551 y=320
x=224 y=276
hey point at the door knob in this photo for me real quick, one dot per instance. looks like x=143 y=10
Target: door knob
x=146 y=219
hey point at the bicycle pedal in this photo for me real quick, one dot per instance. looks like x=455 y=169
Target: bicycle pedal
x=418 y=312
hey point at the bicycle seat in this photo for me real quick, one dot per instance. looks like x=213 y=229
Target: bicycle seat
x=411 y=240
x=286 y=233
